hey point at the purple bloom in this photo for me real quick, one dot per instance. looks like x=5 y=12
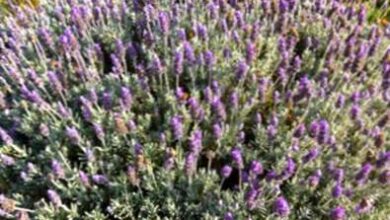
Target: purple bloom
x=299 y=131
x=190 y=164
x=181 y=34
x=73 y=135
x=340 y=101
x=313 y=180
x=271 y=131
x=226 y=171
x=87 y=111
x=364 y=206
x=234 y=100
x=99 y=132
x=163 y=22
x=289 y=168
x=384 y=159
x=217 y=131
x=202 y=31
x=177 y=127
x=84 y=179
x=364 y=173
x=107 y=100
x=337 y=190
x=281 y=207
x=54 y=198
x=7 y=160
x=241 y=70
x=250 y=52
x=256 y=168
x=55 y=82
x=209 y=59
x=355 y=111
x=7 y=140
x=126 y=97
x=218 y=108
x=228 y=216
x=189 y=52
x=311 y=155
x=338 y=213
x=384 y=177
x=156 y=65
x=250 y=197
x=100 y=179
x=323 y=132
x=237 y=157
x=57 y=169
x=314 y=128
x=196 y=142
x=178 y=63
x=338 y=175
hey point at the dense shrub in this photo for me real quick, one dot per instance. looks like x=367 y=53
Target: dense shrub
x=249 y=109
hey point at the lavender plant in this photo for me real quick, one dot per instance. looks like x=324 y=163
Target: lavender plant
x=253 y=109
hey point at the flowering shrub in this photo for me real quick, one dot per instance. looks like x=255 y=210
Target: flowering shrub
x=252 y=109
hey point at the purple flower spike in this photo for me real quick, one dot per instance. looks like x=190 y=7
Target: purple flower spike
x=196 y=142
x=189 y=53
x=126 y=97
x=217 y=131
x=384 y=159
x=338 y=213
x=384 y=177
x=190 y=164
x=250 y=52
x=289 y=168
x=363 y=173
x=299 y=131
x=202 y=31
x=73 y=135
x=338 y=175
x=57 y=169
x=107 y=100
x=7 y=140
x=241 y=70
x=178 y=63
x=84 y=179
x=323 y=132
x=99 y=132
x=256 y=168
x=7 y=160
x=163 y=22
x=340 y=101
x=311 y=155
x=218 y=108
x=228 y=216
x=209 y=59
x=237 y=157
x=355 y=111
x=55 y=82
x=281 y=207
x=226 y=171
x=337 y=191
x=177 y=127
x=54 y=198
x=364 y=206
x=100 y=179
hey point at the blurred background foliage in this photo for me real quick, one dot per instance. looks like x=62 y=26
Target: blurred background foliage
x=378 y=10
x=6 y=5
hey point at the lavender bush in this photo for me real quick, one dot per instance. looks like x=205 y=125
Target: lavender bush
x=252 y=109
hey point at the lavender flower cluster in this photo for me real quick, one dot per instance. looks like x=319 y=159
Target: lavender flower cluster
x=209 y=109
